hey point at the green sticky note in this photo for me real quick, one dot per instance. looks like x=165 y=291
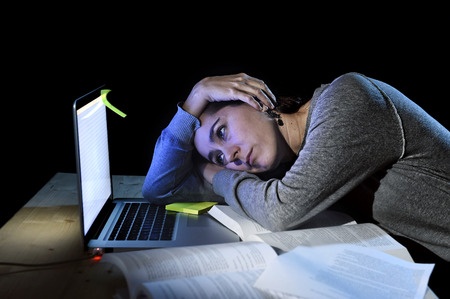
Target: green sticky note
x=103 y=94
x=191 y=207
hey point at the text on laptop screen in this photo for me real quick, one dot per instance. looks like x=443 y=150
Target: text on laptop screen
x=94 y=159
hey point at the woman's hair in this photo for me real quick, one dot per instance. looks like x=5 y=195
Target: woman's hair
x=285 y=104
x=289 y=104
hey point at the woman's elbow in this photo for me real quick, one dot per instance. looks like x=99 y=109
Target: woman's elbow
x=154 y=195
x=278 y=227
x=274 y=225
x=280 y=223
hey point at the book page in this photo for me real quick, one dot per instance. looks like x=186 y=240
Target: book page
x=241 y=225
x=363 y=234
x=218 y=286
x=244 y=226
x=342 y=271
x=188 y=261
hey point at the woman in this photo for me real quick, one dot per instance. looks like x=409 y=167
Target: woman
x=358 y=142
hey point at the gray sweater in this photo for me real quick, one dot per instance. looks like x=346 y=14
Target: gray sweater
x=361 y=133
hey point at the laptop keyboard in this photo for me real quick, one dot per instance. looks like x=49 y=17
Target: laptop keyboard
x=144 y=221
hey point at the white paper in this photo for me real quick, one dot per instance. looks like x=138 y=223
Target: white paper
x=242 y=226
x=189 y=261
x=364 y=234
x=223 y=286
x=343 y=272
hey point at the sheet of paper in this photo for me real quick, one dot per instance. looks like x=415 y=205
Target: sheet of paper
x=219 y=286
x=364 y=234
x=345 y=271
x=188 y=261
x=242 y=226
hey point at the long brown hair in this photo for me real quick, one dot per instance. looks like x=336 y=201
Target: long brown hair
x=289 y=104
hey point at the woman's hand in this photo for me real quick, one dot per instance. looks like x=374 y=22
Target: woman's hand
x=238 y=87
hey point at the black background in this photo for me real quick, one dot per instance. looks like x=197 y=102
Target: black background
x=150 y=59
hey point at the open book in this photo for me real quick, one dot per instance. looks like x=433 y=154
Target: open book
x=242 y=269
x=244 y=226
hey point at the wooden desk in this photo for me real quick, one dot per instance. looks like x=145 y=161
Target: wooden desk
x=47 y=230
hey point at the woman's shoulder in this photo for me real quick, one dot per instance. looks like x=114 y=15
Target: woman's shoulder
x=351 y=78
x=352 y=85
x=352 y=93
x=343 y=85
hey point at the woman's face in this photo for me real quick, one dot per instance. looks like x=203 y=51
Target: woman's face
x=239 y=137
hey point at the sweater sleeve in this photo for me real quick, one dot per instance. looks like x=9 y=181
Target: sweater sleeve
x=172 y=176
x=352 y=132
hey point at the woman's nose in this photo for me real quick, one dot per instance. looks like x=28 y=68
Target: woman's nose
x=232 y=155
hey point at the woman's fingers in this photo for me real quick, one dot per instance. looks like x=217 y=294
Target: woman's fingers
x=237 y=87
x=262 y=97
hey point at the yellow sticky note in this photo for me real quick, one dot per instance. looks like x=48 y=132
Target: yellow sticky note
x=191 y=207
x=103 y=94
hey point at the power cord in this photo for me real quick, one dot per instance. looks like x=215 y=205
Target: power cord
x=46 y=264
x=95 y=255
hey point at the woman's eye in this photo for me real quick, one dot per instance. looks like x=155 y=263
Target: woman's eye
x=221 y=132
x=220 y=160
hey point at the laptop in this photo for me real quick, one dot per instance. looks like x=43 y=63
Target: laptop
x=121 y=224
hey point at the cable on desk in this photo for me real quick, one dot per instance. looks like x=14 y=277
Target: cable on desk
x=95 y=255
x=47 y=264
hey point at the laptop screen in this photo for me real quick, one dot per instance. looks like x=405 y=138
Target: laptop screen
x=91 y=138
